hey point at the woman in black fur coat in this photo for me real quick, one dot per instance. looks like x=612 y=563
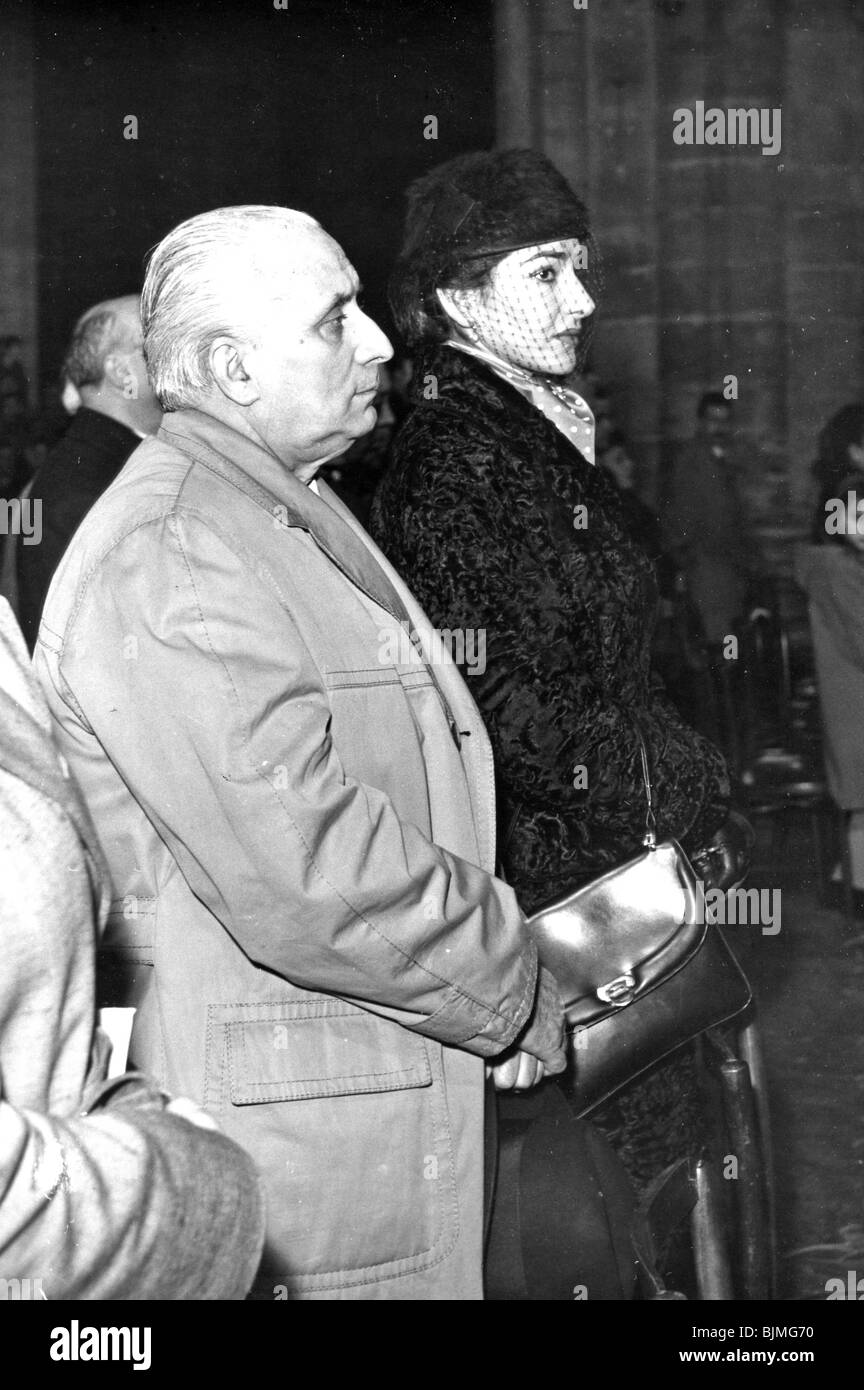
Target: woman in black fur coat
x=496 y=515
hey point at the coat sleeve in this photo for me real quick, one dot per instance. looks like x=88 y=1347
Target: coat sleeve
x=133 y=1203
x=210 y=707
x=562 y=743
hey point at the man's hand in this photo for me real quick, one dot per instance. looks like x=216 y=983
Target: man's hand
x=518 y=1072
x=539 y=1049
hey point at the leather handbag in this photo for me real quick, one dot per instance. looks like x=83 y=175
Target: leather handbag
x=641 y=970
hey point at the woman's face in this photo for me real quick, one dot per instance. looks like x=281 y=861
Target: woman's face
x=530 y=313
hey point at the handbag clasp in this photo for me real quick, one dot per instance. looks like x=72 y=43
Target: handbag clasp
x=619 y=991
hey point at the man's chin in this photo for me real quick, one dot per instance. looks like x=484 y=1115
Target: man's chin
x=364 y=420
x=351 y=435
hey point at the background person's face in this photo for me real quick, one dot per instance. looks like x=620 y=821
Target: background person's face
x=316 y=356
x=531 y=311
x=717 y=422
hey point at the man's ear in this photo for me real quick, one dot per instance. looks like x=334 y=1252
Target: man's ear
x=453 y=304
x=229 y=369
x=115 y=370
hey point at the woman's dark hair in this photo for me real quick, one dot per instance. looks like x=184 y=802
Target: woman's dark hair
x=832 y=466
x=843 y=429
x=465 y=216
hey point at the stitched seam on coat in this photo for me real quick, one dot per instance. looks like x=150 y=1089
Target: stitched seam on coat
x=410 y=1264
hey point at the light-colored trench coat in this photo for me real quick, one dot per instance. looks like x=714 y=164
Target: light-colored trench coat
x=298 y=815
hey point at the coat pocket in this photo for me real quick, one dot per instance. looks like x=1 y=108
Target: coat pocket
x=347 y=1117
x=317 y=1048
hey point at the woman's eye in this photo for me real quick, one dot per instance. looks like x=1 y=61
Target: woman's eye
x=545 y=274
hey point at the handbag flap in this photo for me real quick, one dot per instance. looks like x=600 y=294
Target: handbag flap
x=614 y=939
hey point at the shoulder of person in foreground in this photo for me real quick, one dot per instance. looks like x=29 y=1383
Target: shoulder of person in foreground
x=131 y=1200
x=120 y=1193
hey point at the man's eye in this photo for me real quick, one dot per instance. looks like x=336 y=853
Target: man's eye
x=335 y=325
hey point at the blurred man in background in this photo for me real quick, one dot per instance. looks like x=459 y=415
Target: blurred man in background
x=705 y=527
x=105 y=364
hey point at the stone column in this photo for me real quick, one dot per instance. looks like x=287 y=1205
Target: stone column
x=721 y=238
x=721 y=261
x=579 y=84
x=18 y=256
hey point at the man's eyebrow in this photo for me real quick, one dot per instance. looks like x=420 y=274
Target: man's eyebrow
x=338 y=300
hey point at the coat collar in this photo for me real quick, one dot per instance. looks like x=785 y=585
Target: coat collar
x=246 y=466
x=470 y=386
x=461 y=382
x=563 y=407
x=258 y=474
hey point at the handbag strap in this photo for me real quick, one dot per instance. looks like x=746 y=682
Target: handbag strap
x=649 y=839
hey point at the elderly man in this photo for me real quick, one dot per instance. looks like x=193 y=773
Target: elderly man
x=105 y=363
x=299 y=826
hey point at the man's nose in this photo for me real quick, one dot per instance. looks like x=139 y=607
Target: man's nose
x=373 y=345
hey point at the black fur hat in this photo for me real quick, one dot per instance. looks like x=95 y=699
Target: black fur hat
x=492 y=203
x=465 y=215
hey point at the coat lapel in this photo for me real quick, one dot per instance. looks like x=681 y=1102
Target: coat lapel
x=246 y=466
x=261 y=477
x=467 y=721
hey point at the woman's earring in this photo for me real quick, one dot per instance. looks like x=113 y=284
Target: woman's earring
x=471 y=333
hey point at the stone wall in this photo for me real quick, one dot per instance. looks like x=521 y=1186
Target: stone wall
x=18 y=182
x=720 y=260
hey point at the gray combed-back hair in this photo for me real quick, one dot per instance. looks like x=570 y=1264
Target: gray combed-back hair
x=192 y=293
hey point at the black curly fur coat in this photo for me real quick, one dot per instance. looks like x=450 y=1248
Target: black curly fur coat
x=480 y=513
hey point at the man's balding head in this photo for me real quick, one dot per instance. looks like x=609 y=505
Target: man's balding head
x=250 y=314
x=112 y=326
x=104 y=362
